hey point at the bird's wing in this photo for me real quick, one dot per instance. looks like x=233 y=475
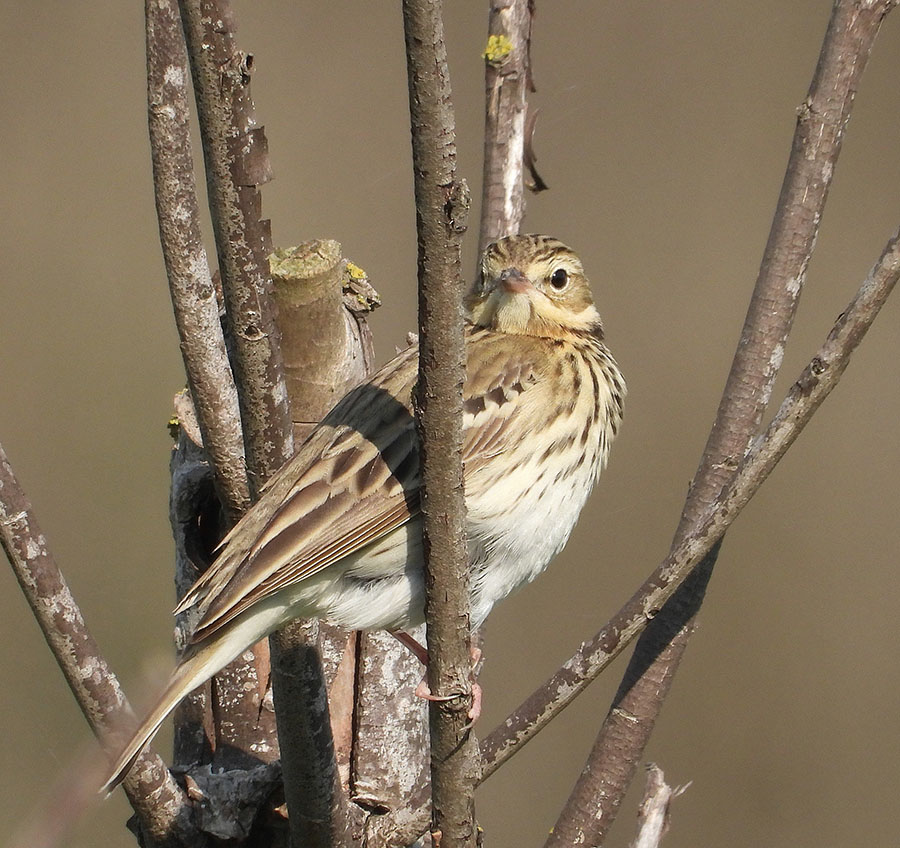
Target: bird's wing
x=354 y=480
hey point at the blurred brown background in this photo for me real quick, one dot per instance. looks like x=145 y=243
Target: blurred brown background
x=664 y=133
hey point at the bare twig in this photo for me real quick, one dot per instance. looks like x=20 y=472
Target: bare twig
x=805 y=396
x=442 y=207
x=154 y=795
x=507 y=78
x=190 y=280
x=822 y=120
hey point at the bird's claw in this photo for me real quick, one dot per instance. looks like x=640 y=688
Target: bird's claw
x=422 y=691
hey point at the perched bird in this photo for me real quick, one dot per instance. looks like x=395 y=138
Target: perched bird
x=336 y=533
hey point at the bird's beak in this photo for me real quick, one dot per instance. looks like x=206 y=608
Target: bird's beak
x=514 y=281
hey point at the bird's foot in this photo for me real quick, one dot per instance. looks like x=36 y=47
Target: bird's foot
x=423 y=691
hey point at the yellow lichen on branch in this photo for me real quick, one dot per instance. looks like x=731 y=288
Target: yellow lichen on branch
x=498 y=48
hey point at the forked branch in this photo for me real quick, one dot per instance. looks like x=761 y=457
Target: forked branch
x=822 y=121
x=814 y=384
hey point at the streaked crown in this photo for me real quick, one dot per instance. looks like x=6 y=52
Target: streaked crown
x=533 y=285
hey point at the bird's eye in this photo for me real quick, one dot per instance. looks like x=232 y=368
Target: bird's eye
x=559 y=279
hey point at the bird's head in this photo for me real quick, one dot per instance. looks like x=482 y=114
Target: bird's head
x=533 y=285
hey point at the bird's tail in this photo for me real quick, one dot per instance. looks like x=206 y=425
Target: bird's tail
x=193 y=670
x=187 y=676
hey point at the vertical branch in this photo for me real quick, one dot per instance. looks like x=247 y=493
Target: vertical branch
x=162 y=808
x=390 y=768
x=822 y=120
x=194 y=301
x=236 y=157
x=317 y=806
x=190 y=282
x=507 y=78
x=441 y=211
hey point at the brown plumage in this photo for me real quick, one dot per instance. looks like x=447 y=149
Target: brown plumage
x=336 y=534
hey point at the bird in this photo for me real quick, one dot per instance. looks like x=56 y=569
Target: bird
x=336 y=534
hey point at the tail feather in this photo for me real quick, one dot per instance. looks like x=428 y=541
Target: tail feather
x=193 y=670
x=190 y=673
x=181 y=682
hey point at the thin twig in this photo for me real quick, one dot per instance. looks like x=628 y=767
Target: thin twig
x=190 y=281
x=806 y=395
x=441 y=210
x=162 y=807
x=507 y=77
x=822 y=120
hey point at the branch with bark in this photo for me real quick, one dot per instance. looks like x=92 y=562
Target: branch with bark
x=442 y=205
x=236 y=161
x=163 y=808
x=822 y=120
x=190 y=279
x=507 y=80
x=235 y=153
x=813 y=385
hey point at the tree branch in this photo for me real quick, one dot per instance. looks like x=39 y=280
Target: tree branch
x=822 y=120
x=317 y=806
x=441 y=211
x=236 y=156
x=390 y=770
x=308 y=291
x=814 y=384
x=162 y=807
x=190 y=281
x=507 y=78
x=236 y=159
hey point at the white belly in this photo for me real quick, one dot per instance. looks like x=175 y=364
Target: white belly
x=517 y=544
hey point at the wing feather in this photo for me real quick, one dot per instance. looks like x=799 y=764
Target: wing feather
x=356 y=478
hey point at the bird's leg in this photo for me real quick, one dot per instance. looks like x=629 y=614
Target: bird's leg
x=422 y=690
x=415 y=647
